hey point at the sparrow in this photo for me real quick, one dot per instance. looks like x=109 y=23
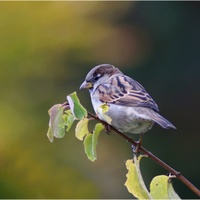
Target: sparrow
x=121 y=101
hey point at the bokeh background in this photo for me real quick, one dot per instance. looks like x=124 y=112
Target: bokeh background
x=47 y=48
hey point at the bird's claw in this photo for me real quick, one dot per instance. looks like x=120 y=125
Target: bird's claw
x=136 y=148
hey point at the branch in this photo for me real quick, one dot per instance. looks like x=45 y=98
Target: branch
x=153 y=157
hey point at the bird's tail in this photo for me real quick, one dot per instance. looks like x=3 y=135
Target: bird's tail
x=162 y=121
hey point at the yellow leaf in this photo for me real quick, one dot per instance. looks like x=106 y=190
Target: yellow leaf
x=134 y=182
x=102 y=111
x=68 y=119
x=82 y=129
x=161 y=188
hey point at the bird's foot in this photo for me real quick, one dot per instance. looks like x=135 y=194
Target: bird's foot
x=136 y=148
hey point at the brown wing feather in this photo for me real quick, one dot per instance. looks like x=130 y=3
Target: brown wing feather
x=122 y=90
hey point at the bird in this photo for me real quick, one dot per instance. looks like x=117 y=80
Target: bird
x=121 y=101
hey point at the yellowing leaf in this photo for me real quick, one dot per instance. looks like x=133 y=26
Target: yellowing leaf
x=56 y=126
x=171 y=192
x=68 y=119
x=134 y=182
x=91 y=141
x=82 y=129
x=77 y=109
x=105 y=108
x=161 y=188
x=102 y=111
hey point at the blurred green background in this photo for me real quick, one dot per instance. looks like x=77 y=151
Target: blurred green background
x=47 y=48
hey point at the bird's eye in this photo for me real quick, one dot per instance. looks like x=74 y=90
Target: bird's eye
x=97 y=77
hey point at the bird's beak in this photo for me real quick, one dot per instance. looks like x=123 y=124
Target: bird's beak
x=86 y=85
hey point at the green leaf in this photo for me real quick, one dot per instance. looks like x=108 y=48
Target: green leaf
x=135 y=183
x=88 y=147
x=91 y=141
x=56 y=126
x=82 y=128
x=102 y=110
x=77 y=109
x=161 y=188
x=68 y=119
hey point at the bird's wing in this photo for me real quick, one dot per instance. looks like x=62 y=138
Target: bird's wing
x=123 y=90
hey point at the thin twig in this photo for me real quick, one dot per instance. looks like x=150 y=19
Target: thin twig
x=153 y=157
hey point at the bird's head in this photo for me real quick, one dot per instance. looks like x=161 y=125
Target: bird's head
x=98 y=75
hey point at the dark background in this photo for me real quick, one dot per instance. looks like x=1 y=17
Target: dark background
x=47 y=48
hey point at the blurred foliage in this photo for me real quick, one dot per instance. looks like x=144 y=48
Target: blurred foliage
x=46 y=50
